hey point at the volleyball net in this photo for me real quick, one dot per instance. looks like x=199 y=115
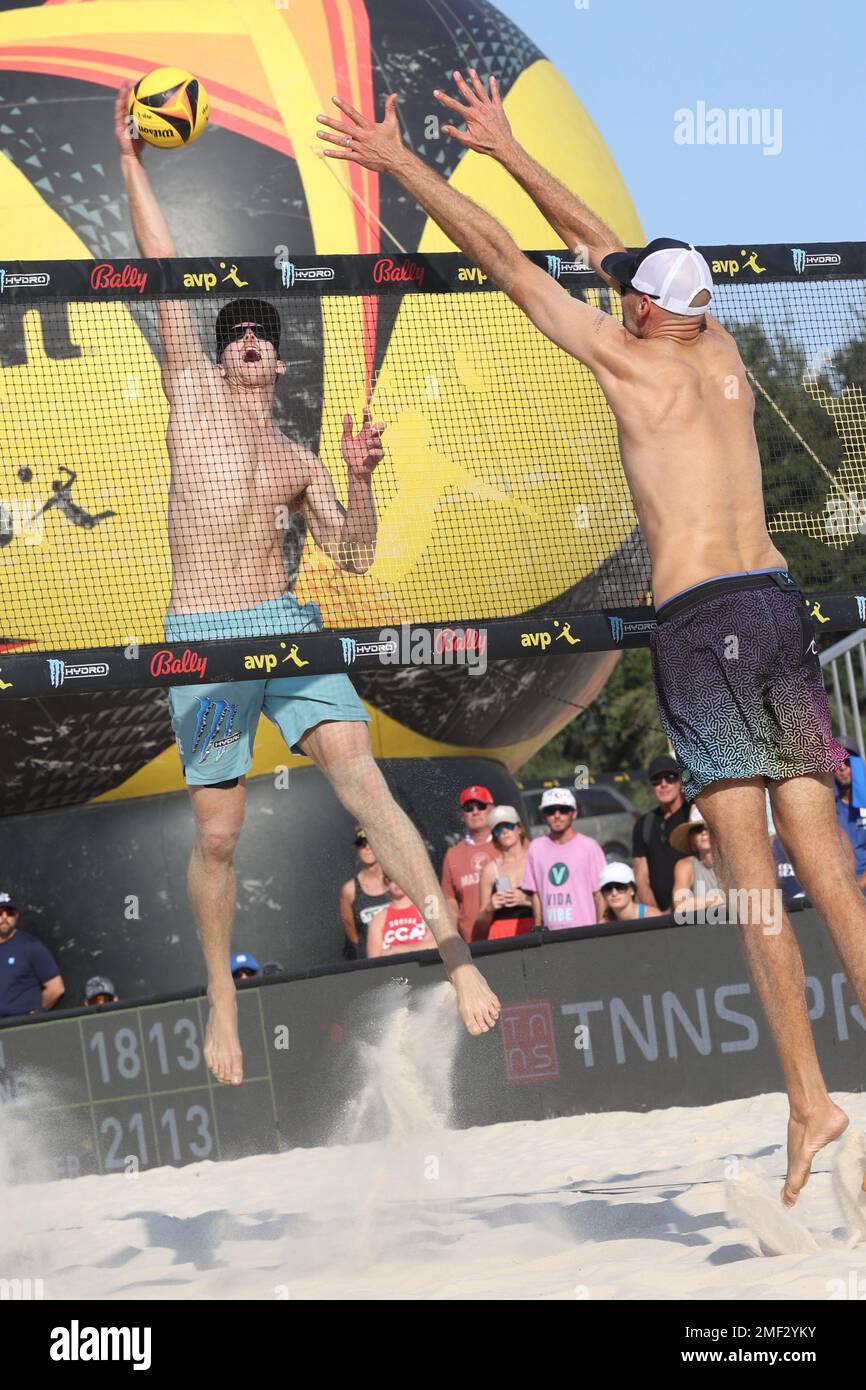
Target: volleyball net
x=157 y=509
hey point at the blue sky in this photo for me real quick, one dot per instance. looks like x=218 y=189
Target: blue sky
x=633 y=64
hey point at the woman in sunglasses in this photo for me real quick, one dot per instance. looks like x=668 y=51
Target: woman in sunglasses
x=619 y=890
x=361 y=898
x=505 y=910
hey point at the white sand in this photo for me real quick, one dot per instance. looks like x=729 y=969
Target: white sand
x=618 y=1206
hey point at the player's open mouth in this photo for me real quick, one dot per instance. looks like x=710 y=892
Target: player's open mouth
x=252 y=355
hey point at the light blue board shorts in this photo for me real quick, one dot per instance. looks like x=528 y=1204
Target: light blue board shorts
x=215 y=725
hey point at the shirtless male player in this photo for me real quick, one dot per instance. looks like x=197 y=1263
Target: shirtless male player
x=232 y=474
x=676 y=384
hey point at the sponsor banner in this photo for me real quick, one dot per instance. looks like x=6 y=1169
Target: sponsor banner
x=24 y=672
x=441 y=272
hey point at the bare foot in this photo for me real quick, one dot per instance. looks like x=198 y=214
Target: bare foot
x=222 y=1044
x=805 y=1138
x=478 y=1005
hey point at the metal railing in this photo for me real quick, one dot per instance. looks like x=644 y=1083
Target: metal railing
x=849 y=709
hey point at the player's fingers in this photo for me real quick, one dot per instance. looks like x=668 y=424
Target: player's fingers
x=462 y=136
x=335 y=125
x=478 y=85
x=494 y=92
x=463 y=89
x=446 y=100
x=342 y=154
x=380 y=427
x=349 y=110
x=333 y=139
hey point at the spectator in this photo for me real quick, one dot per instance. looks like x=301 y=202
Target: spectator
x=362 y=897
x=851 y=818
x=463 y=862
x=399 y=928
x=273 y=967
x=29 y=977
x=244 y=966
x=619 y=892
x=563 y=867
x=654 y=856
x=99 y=990
x=696 y=883
x=504 y=910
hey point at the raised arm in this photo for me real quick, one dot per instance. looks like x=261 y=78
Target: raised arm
x=347 y=535
x=588 y=334
x=488 y=132
x=182 y=349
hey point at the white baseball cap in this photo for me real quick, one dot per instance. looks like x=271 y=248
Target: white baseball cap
x=502 y=814
x=617 y=872
x=670 y=272
x=558 y=796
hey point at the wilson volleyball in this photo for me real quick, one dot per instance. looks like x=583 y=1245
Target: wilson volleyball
x=169 y=107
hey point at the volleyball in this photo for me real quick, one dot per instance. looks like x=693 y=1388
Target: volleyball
x=169 y=107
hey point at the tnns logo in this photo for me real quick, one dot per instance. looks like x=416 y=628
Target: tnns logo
x=616 y=629
x=214 y=727
x=350 y=649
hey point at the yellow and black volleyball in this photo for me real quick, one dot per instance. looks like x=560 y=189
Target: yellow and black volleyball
x=169 y=107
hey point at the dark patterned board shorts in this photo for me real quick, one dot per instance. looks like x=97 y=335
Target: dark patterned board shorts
x=738 y=682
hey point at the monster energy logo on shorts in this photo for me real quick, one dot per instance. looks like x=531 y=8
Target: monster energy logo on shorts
x=616 y=629
x=221 y=715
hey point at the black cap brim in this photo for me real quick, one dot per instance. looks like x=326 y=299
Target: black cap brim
x=620 y=266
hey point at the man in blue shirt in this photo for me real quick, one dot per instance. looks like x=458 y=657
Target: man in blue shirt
x=29 y=977
x=851 y=818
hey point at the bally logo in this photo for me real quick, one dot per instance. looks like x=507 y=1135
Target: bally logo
x=558 y=874
x=166 y=663
x=106 y=277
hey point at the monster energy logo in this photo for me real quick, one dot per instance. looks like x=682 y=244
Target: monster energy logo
x=289 y=273
x=221 y=715
x=616 y=629
x=350 y=649
x=60 y=671
x=802 y=259
x=861 y=608
x=556 y=267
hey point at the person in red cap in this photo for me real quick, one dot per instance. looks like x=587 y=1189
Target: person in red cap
x=463 y=862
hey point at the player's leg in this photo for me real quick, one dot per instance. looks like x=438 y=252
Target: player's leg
x=215 y=729
x=735 y=812
x=342 y=751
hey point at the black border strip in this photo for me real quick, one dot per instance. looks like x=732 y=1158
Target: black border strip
x=470 y=643
x=442 y=272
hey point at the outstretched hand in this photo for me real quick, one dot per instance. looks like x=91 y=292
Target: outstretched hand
x=129 y=142
x=362 y=451
x=487 y=129
x=378 y=146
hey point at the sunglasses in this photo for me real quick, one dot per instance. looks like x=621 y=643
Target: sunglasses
x=475 y=806
x=361 y=840
x=504 y=825
x=664 y=777
x=558 y=811
x=7 y=911
x=616 y=887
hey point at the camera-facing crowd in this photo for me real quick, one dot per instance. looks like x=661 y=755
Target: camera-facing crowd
x=497 y=880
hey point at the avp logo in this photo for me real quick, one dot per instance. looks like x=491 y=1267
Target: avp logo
x=60 y=671
x=290 y=274
x=616 y=628
x=207 y=279
x=804 y=259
